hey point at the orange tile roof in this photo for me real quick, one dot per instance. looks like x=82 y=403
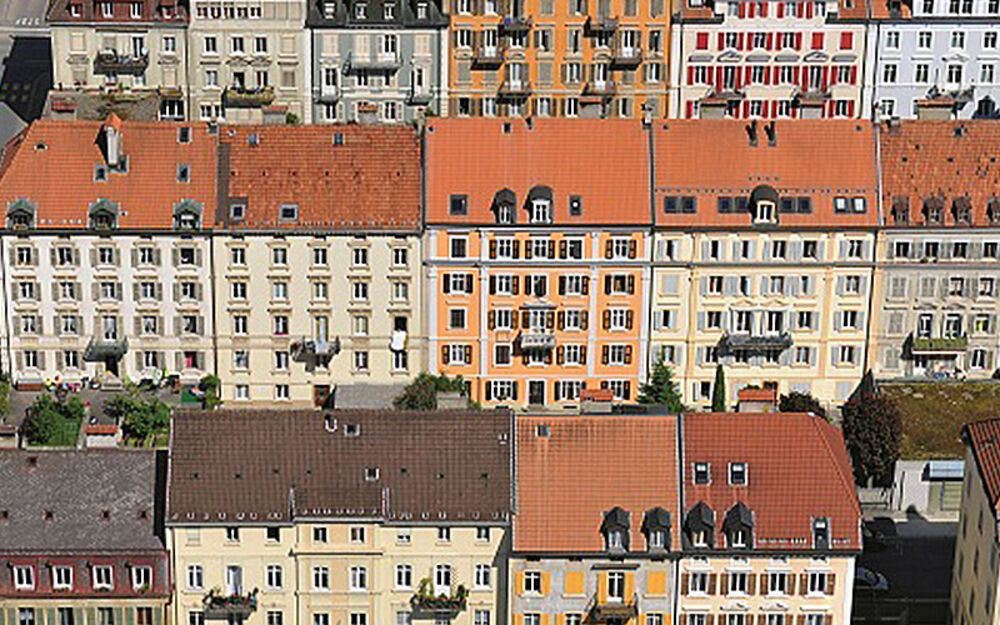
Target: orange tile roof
x=797 y=467
x=943 y=159
x=604 y=161
x=51 y=164
x=587 y=466
x=819 y=159
x=370 y=181
x=983 y=437
x=758 y=394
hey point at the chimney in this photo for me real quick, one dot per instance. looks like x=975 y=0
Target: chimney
x=772 y=134
x=757 y=399
x=752 y=133
x=596 y=401
x=113 y=140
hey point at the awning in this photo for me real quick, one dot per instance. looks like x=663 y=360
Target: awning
x=945 y=469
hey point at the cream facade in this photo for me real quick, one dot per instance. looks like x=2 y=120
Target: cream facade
x=975 y=579
x=249 y=56
x=301 y=314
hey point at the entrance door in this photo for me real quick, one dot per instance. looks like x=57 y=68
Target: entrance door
x=536 y=392
x=111 y=365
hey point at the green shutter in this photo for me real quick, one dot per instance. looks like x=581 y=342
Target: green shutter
x=50 y=616
x=91 y=616
x=130 y=616
x=158 y=615
x=78 y=616
x=119 y=616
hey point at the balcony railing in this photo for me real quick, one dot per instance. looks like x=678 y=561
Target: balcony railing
x=219 y=606
x=516 y=23
x=328 y=94
x=424 y=601
x=100 y=349
x=608 y=610
x=379 y=61
x=627 y=57
x=602 y=87
x=537 y=339
x=938 y=345
x=512 y=88
x=110 y=62
x=773 y=340
x=487 y=56
x=419 y=96
x=307 y=349
x=602 y=24
x=247 y=97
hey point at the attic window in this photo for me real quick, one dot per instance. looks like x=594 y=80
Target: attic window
x=49 y=515
x=288 y=211
x=338 y=138
x=993 y=210
x=20 y=214
x=184 y=134
x=458 y=204
x=543 y=430
x=352 y=429
x=821 y=533
x=933 y=210
x=738 y=473
x=183 y=173
x=575 y=205
x=105 y=514
x=702 y=473
x=901 y=210
x=253 y=139
x=100 y=173
x=371 y=474
x=962 y=211
x=237 y=210
x=507 y=128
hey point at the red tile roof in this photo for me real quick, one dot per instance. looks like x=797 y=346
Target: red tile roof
x=819 y=159
x=983 y=437
x=942 y=159
x=161 y=11
x=585 y=467
x=797 y=467
x=604 y=161
x=370 y=181
x=100 y=428
x=848 y=9
x=52 y=165
x=758 y=394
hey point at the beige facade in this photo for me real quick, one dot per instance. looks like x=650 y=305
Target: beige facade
x=301 y=314
x=975 y=578
x=249 y=56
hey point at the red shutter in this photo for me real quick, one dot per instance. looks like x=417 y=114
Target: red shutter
x=854 y=74
x=741 y=40
x=746 y=109
x=767 y=76
x=800 y=9
x=751 y=8
x=763 y=9
x=718 y=78
x=774 y=108
x=798 y=41
x=833 y=75
x=722 y=42
x=702 y=41
x=690 y=75
x=817 y=41
x=804 y=82
x=846 y=41
x=826 y=78
x=770 y=41
x=795 y=75
x=850 y=108
x=809 y=10
x=690 y=109
x=743 y=9
x=781 y=10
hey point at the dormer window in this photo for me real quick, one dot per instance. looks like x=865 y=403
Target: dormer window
x=901 y=210
x=821 y=533
x=103 y=215
x=738 y=527
x=738 y=539
x=764 y=202
x=361 y=10
x=738 y=473
x=329 y=9
x=504 y=203
x=656 y=527
x=702 y=473
x=421 y=10
x=962 y=211
x=20 y=214
x=575 y=206
x=540 y=205
x=616 y=540
x=699 y=526
x=993 y=211
x=933 y=211
x=187 y=215
x=615 y=528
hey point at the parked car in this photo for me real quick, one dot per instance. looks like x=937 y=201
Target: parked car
x=865 y=578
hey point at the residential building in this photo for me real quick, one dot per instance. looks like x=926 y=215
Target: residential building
x=974 y=584
x=138 y=47
x=538 y=272
x=937 y=298
x=933 y=59
x=540 y=58
x=80 y=538
x=317 y=261
x=766 y=536
x=378 y=60
x=763 y=258
x=602 y=554
x=249 y=60
x=768 y=59
x=344 y=517
x=105 y=250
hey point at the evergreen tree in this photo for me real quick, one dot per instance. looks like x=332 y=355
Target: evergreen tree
x=873 y=432
x=719 y=390
x=662 y=389
x=801 y=402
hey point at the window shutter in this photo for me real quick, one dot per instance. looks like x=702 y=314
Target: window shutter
x=608 y=249
x=701 y=320
x=629 y=319
x=468 y=354
x=628 y=355
x=514 y=391
x=489 y=391
x=561 y=320
x=586 y=285
x=606 y=319
x=583 y=354
x=552 y=249
x=445 y=283
x=632 y=248
x=493 y=248
x=491 y=320
x=604 y=354
x=468 y=282
x=445 y=355
x=525 y=319
x=584 y=318
x=658 y=319
x=631 y=284
x=562 y=249
x=607 y=285
x=493 y=285
x=562 y=285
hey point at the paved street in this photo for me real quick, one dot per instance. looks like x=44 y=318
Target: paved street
x=22 y=14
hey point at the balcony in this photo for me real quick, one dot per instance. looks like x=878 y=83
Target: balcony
x=537 y=338
x=627 y=57
x=487 y=57
x=756 y=342
x=600 y=87
x=419 y=96
x=602 y=24
x=425 y=602
x=515 y=23
x=378 y=62
x=938 y=346
x=311 y=350
x=100 y=349
x=244 y=97
x=237 y=606
x=608 y=611
x=109 y=62
x=514 y=89
x=328 y=94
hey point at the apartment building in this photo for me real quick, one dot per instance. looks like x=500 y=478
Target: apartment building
x=382 y=60
x=537 y=272
x=249 y=59
x=768 y=59
x=317 y=261
x=79 y=541
x=752 y=547
x=105 y=253
x=937 y=299
x=541 y=58
x=933 y=59
x=764 y=254
x=602 y=554
x=139 y=46
x=340 y=518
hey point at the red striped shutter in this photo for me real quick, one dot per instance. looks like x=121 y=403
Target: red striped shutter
x=741 y=41
x=751 y=9
x=805 y=78
x=746 y=109
x=690 y=109
x=770 y=41
x=718 y=78
x=702 y=41
x=846 y=41
x=800 y=9
x=776 y=78
x=826 y=77
x=817 y=41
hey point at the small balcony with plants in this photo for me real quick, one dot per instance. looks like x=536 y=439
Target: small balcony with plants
x=239 y=96
x=220 y=606
x=427 y=600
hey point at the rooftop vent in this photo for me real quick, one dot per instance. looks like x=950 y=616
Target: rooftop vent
x=338 y=138
x=371 y=474
x=542 y=430
x=106 y=514
x=49 y=515
x=352 y=429
x=507 y=128
x=959 y=131
x=329 y=423
x=253 y=139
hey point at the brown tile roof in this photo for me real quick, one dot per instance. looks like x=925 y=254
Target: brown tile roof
x=588 y=465
x=161 y=11
x=797 y=467
x=819 y=159
x=604 y=161
x=251 y=465
x=370 y=181
x=52 y=165
x=984 y=439
x=940 y=159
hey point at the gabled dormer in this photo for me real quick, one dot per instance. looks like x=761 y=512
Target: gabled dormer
x=656 y=529
x=821 y=533
x=738 y=527
x=505 y=206
x=615 y=529
x=187 y=215
x=539 y=205
x=103 y=215
x=699 y=527
x=764 y=202
x=21 y=214
x=933 y=211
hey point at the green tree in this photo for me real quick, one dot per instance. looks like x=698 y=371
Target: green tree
x=873 y=431
x=50 y=422
x=210 y=386
x=719 y=390
x=421 y=393
x=662 y=389
x=141 y=416
x=800 y=402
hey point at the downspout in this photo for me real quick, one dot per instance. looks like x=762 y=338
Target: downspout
x=651 y=146
x=875 y=247
x=8 y=366
x=680 y=513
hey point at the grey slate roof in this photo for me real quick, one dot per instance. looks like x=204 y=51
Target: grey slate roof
x=99 y=500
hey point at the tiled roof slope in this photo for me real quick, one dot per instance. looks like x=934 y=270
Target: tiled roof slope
x=944 y=159
x=161 y=11
x=343 y=177
x=79 y=488
x=984 y=439
x=603 y=161
x=797 y=467
x=820 y=159
x=257 y=466
x=848 y=9
x=52 y=165
x=588 y=465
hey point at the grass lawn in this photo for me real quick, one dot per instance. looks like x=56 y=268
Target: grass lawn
x=65 y=435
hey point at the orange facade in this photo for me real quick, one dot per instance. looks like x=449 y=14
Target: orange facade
x=553 y=58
